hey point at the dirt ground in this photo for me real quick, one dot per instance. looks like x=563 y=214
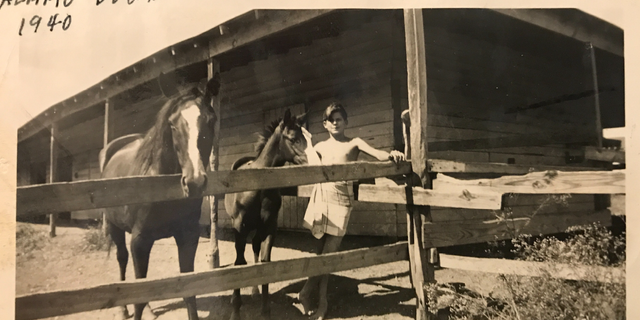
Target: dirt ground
x=381 y=292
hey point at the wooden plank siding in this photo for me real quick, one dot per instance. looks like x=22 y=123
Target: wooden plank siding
x=472 y=80
x=353 y=68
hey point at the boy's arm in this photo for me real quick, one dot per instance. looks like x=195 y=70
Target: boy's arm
x=378 y=154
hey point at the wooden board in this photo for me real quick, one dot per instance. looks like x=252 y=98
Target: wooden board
x=534 y=269
x=605 y=155
x=462 y=215
x=115 y=192
x=426 y=197
x=585 y=182
x=477 y=231
x=561 y=136
x=43 y=305
x=448 y=166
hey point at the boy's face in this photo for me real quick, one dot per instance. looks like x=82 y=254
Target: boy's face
x=335 y=124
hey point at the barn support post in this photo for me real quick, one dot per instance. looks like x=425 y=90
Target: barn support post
x=53 y=172
x=422 y=270
x=108 y=111
x=593 y=72
x=601 y=201
x=213 y=67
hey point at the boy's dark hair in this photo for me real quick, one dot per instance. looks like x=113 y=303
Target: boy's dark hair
x=334 y=107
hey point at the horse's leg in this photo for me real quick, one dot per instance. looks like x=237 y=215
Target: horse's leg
x=256 y=242
x=236 y=300
x=331 y=244
x=265 y=256
x=140 y=251
x=187 y=243
x=118 y=237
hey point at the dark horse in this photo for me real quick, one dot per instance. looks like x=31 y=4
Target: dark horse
x=283 y=141
x=179 y=142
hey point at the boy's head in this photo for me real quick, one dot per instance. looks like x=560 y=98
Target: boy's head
x=331 y=109
x=335 y=119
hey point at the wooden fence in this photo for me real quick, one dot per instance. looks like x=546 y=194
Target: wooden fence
x=111 y=192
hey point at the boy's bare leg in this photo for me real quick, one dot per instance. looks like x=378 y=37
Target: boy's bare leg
x=331 y=244
x=304 y=296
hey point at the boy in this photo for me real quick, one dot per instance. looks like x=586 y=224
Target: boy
x=330 y=205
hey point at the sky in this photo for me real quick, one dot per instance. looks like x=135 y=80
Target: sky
x=40 y=69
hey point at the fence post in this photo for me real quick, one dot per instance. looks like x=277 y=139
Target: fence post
x=53 y=172
x=213 y=67
x=108 y=110
x=422 y=271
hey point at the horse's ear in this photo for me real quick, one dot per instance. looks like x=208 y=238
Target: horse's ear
x=301 y=119
x=213 y=85
x=167 y=84
x=199 y=90
x=287 y=116
x=209 y=88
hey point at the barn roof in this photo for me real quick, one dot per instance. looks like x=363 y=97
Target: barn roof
x=259 y=24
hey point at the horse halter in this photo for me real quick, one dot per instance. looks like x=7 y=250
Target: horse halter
x=192 y=135
x=293 y=142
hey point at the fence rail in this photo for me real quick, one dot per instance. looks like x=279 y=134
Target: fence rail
x=102 y=193
x=447 y=191
x=56 y=303
x=547 y=182
x=534 y=269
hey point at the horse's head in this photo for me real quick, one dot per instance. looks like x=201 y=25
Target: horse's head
x=293 y=143
x=192 y=130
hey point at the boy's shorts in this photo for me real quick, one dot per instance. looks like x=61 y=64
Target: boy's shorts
x=329 y=209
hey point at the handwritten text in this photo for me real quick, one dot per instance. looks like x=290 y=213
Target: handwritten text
x=56 y=21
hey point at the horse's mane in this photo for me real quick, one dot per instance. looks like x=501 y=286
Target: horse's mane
x=158 y=138
x=264 y=136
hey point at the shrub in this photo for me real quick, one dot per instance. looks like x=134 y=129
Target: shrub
x=550 y=298
x=29 y=239
x=545 y=297
x=95 y=240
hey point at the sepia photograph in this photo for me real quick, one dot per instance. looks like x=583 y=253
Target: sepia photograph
x=341 y=162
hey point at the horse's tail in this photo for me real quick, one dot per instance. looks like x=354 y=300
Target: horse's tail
x=108 y=238
x=102 y=158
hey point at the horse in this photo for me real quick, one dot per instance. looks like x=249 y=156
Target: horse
x=180 y=142
x=284 y=140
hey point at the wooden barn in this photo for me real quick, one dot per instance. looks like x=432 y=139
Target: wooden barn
x=528 y=88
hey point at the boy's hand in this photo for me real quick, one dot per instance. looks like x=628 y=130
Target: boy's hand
x=396 y=156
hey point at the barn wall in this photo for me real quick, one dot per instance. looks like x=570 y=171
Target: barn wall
x=473 y=77
x=354 y=68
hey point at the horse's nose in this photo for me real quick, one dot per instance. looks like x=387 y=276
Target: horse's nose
x=194 y=186
x=301 y=159
x=199 y=178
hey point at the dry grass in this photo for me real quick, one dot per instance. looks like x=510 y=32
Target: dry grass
x=29 y=240
x=95 y=240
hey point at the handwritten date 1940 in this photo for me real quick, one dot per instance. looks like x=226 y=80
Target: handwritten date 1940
x=36 y=20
